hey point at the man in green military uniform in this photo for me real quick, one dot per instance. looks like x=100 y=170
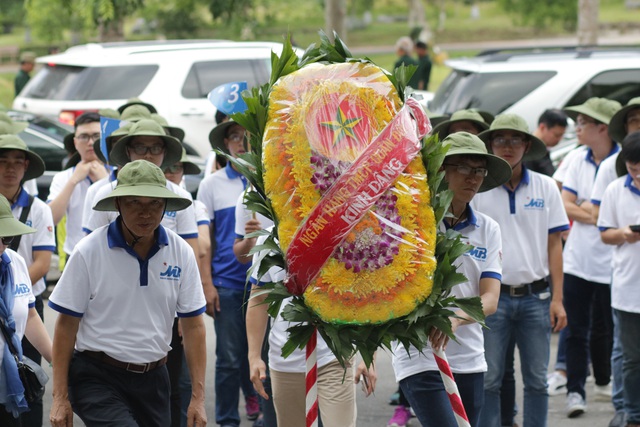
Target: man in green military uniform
x=27 y=62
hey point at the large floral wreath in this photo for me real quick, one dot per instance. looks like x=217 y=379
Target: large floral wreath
x=390 y=275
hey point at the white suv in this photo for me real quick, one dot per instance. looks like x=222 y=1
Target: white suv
x=174 y=76
x=527 y=82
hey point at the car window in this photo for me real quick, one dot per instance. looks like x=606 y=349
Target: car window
x=207 y=75
x=492 y=92
x=621 y=85
x=78 y=83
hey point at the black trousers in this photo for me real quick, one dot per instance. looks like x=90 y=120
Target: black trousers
x=102 y=395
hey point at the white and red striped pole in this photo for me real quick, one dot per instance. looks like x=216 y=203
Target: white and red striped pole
x=311 y=380
x=451 y=388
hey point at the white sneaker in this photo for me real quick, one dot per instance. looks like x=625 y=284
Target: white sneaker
x=556 y=383
x=602 y=393
x=576 y=405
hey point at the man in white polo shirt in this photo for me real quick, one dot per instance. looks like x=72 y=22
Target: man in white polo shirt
x=69 y=187
x=469 y=169
x=623 y=123
x=587 y=261
x=529 y=211
x=116 y=300
x=618 y=224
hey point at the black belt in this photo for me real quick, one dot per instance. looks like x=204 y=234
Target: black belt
x=138 y=368
x=526 y=289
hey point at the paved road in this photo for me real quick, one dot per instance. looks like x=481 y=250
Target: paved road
x=374 y=411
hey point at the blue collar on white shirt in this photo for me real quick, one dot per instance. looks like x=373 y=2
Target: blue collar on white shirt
x=470 y=220
x=629 y=184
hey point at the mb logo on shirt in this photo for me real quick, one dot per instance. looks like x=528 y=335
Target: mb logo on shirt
x=535 y=204
x=172 y=273
x=21 y=289
x=478 y=253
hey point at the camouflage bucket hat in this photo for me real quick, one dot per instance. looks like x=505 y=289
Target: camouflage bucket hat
x=142 y=179
x=617 y=124
x=466 y=144
x=600 y=109
x=9 y=226
x=36 y=164
x=513 y=122
x=442 y=129
x=172 y=151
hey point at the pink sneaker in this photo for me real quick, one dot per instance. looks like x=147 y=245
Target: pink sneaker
x=400 y=418
x=253 y=407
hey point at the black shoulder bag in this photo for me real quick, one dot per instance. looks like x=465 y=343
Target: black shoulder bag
x=23 y=219
x=32 y=375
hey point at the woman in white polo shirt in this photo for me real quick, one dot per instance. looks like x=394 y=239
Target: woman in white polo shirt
x=18 y=314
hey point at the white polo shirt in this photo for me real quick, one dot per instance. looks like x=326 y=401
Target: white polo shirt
x=605 y=176
x=219 y=192
x=483 y=261
x=43 y=239
x=243 y=215
x=74 y=208
x=90 y=199
x=278 y=336
x=561 y=172
x=585 y=256
x=127 y=305
x=23 y=297
x=181 y=222
x=526 y=217
x=202 y=214
x=621 y=207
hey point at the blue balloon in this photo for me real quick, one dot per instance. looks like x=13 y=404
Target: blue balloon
x=107 y=127
x=227 y=97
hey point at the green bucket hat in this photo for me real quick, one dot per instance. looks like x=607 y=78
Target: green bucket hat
x=617 y=131
x=9 y=226
x=143 y=179
x=173 y=148
x=442 y=129
x=36 y=164
x=137 y=101
x=13 y=127
x=486 y=116
x=514 y=122
x=171 y=130
x=464 y=143
x=135 y=113
x=188 y=166
x=217 y=134
x=110 y=140
x=435 y=118
x=109 y=113
x=600 y=109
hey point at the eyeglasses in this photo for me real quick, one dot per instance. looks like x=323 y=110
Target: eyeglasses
x=468 y=170
x=85 y=137
x=141 y=150
x=174 y=169
x=515 y=142
x=235 y=137
x=582 y=123
x=7 y=240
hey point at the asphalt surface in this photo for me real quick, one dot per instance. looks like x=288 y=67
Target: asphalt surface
x=375 y=411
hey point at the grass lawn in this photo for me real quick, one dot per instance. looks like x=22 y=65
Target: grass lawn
x=6 y=89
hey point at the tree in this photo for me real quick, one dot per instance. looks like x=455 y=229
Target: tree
x=335 y=18
x=588 y=22
x=542 y=13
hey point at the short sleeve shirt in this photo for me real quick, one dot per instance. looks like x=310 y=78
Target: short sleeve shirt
x=585 y=255
x=23 y=297
x=43 y=239
x=621 y=207
x=126 y=304
x=484 y=260
x=605 y=176
x=526 y=217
